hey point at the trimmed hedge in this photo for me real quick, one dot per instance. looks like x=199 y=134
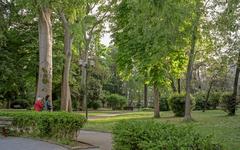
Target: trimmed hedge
x=163 y=104
x=59 y=125
x=200 y=98
x=116 y=101
x=213 y=100
x=152 y=135
x=177 y=104
x=227 y=104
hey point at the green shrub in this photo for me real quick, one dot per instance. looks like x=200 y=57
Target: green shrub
x=226 y=102
x=94 y=105
x=164 y=104
x=152 y=135
x=56 y=105
x=200 y=98
x=212 y=103
x=22 y=103
x=116 y=101
x=177 y=104
x=214 y=99
x=147 y=109
x=59 y=125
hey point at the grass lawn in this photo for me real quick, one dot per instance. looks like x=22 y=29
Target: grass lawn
x=225 y=130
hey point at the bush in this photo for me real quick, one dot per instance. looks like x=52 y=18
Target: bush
x=116 y=101
x=59 y=125
x=200 y=98
x=177 y=104
x=164 y=104
x=56 y=105
x=226 y=103
x=152 y=135
x=147 y=109
x=94 y=105
x=214 y=99
x=22 y=103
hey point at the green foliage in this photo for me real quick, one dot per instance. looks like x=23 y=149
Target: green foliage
x=143 y=51
x=212 y=103
x=59 y=125
x=147 y=109
x=214 y=99
x=163 y=104
x=94 y=105
x=177 y=104
x=56 y=105
x=226 y=103
x=200 y=98
x=145 y=135
x=116 y=101
x=22 y=103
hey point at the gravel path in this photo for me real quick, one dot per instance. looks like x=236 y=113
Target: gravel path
x=17 y=143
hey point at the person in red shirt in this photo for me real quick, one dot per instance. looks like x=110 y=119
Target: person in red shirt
x=38 y=106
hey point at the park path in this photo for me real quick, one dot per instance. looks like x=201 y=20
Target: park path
x=100 y=139
x=18 y=143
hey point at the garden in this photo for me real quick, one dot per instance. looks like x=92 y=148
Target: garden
x=141 y=75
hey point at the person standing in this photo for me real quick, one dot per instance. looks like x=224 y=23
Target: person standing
x=47 y=105
x=38 y=106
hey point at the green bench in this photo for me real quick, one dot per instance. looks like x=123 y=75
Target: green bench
x=5 y=122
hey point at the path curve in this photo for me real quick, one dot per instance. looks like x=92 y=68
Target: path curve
x=18 y=143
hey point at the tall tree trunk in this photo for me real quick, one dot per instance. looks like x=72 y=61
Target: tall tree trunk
x=235 y=88
x=45 y=54
x=84 y=74
x=208 y=94
x=179 y=85
x=145 y=95
x=187 y=115
x=191 y=56
x=36 y=84
x=66 y=104
x=156 y=101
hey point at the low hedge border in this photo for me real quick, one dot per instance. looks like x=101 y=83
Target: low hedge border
x=57 y=125
x=152 y=135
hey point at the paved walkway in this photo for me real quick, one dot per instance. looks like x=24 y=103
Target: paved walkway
x=17 y=143
x=101 y=139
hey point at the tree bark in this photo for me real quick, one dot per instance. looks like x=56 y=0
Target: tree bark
x=235 y=89
x=45 y=54
x=84 y=72
x=191 y=56
x=208 y=94
x=187 y=115
x=156 y=101
x=66 y=104
x=179 y=85
x=145 y=95
x=173 y=85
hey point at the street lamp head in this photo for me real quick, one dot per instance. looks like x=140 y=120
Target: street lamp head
x=92 y=63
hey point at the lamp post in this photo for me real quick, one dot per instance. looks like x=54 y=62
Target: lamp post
x=85 y=65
